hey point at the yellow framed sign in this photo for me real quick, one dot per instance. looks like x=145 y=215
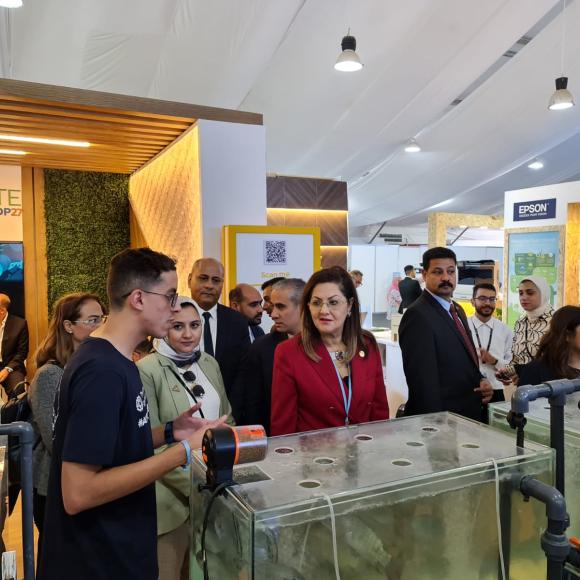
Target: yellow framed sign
x=253 y=254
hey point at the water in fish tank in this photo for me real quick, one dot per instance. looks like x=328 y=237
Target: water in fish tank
x=412 y=498
x=537 y=429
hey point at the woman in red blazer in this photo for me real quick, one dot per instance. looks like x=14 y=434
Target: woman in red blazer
x=331 y=374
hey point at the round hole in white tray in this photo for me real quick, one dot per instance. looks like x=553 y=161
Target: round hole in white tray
x=309 y=483
x=401 y=462
x=284 y=450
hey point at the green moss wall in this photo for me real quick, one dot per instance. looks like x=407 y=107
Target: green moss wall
x=87 y=222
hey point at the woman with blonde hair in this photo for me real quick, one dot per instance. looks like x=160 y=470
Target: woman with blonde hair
x=74 y=317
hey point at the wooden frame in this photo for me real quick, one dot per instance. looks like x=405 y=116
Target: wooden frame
x=124 y=132
x=561 y=231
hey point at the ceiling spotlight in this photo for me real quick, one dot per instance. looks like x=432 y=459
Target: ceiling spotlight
x=12 y=152
x=11 y=3
x=536 y=164
x=561 y=98
x=348 y=60
x=412 y=146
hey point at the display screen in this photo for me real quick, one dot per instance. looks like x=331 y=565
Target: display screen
x=472 y=273
x=11 y=262
x=12 y=275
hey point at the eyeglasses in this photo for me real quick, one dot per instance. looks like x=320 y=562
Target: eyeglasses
x=92 y=320
x=333 y=304
x=485 y=299
x=171 y=298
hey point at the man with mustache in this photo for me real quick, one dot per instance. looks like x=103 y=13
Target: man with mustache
x=492 y=338
x=225 y=331
x=439 y=357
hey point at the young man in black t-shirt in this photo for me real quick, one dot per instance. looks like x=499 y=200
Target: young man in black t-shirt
x=100 y=512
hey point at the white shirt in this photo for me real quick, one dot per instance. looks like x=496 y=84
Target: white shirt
x=500 y=347
x=2 y=326
x=212 y=325
x=210 y=399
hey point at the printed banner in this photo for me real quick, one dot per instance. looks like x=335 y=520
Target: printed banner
x=542 y=209
x=531 y=254
x=10 y=204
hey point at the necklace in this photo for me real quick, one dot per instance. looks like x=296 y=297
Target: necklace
x=337 y=355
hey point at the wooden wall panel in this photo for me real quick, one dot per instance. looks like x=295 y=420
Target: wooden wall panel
x=165 y=200
x=334 y=256
x=333 y=228
x=572 y=256
x=304 y=201
x=35 y=264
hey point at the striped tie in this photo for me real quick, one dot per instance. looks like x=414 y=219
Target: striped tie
x=463 y=333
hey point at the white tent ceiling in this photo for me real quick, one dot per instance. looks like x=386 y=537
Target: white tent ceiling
x=275 y=57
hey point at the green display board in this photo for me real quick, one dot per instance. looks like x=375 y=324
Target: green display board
x=535 y=253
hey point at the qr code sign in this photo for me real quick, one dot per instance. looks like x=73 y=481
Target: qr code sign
x=274 y=252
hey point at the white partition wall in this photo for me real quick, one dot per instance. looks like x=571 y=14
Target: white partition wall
x=378 y=263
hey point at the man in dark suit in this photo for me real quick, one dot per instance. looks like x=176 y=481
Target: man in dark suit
x=439 y=357
x=409 y=289
x=246 y=300
x=254 y=384
x=225 y=331
x=13 y=348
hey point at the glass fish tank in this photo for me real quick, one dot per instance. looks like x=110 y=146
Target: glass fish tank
x=406 y=499
x=537 y=429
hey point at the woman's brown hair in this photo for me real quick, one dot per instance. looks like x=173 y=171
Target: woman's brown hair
x=554 y=349
x=58 y=344
x=353 y=336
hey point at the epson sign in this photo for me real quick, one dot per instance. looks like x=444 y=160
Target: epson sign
x=542 y=209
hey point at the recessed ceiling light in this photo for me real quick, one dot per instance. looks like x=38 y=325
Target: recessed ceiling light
x=12 y=152
x=412 y=146
x=45 y=141
x=536 y=164
x=11 y=3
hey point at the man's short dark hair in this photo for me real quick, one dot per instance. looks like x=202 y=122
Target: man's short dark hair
x=356 y=273
x=409 y=268
x=295 y=287
x=483 y=286
x=438 y=253
x=135 y=268
x=271 y=281
x=236 y=295
x=144 y=347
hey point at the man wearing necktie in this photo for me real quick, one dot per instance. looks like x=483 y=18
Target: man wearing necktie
x=225 y=331
x=439 y=357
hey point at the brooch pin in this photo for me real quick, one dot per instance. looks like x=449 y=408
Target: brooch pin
x=361 y=353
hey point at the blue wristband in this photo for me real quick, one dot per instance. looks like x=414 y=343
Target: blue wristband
x=187 y=448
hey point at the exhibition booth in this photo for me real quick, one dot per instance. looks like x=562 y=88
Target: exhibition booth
x=384 y=499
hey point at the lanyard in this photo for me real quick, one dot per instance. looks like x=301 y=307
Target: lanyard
x=346 y=400
x=478 y=339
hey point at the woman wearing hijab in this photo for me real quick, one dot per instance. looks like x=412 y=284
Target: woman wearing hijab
x=176 y=377
x=534 y=293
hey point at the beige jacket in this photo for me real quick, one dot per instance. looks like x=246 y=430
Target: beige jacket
x=167 y=399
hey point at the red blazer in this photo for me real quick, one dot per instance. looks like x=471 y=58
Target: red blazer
x=306 y=395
